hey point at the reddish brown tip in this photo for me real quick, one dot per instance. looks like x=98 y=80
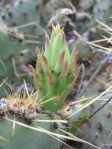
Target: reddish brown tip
x=50 y=78
x=64 y=71
x=44 y=60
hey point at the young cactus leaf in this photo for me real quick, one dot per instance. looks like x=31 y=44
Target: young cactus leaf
x=35 y=75
x=59 y=62
x=45 y=64
x=55 y=31
x=74 y=49
x=48 y=50
x=65 y=47
x=56 y=46
x=71 y=85
x=50 y=78
x=38 y=53
x=64 y=71
x=39 y=60
x=73 y=61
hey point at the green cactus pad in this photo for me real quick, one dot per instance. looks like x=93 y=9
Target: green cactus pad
x=26 y=138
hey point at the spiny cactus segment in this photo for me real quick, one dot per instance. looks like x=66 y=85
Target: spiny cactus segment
x=56 y=71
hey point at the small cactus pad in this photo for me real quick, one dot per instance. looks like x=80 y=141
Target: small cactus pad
x=56 y=71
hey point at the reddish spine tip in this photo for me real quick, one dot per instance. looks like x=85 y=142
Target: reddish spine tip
x=76 y=46
x=74 y=60
x=63 y=37
x=44 y=60
x=71 y=85
x=64 y=71
x=61 y=57
x=47 y=38
x=37 y=51
x=59 y=98
x=50 y=78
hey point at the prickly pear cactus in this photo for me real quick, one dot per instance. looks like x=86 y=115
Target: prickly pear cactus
x=5 y=2
x=24 y=12
x=103 y=13
x=55 y=77
x=89 y=10
x=8 y=48
x=98 y=129
x=12 y=57
x=25 y=134
x=18 y=14
x=29 y=18
x=58 y=11
x=56 y=69
x=101 y=9
x=26 y=15
x=23 y=118
x=62 y=16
